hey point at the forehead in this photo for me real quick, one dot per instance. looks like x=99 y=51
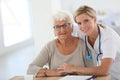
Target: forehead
x=82 y=17
x=57 y=22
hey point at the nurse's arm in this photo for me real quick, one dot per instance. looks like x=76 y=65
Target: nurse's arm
x=101 y=70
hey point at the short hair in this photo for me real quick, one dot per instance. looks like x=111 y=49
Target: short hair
x=85 y=9
x=63 y=15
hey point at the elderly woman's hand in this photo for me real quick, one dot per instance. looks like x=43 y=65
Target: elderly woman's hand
x=49 y=73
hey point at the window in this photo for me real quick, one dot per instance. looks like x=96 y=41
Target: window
x=15 y=21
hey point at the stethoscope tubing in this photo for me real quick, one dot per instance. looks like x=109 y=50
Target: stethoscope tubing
x=88 y=52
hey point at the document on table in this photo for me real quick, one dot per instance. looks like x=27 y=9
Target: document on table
x=74 y=77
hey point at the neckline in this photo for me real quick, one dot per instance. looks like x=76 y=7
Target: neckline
x=59 y=53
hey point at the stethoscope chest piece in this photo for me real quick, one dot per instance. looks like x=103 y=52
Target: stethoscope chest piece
x=89 y=57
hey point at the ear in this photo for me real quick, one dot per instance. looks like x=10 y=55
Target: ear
x=95 y=20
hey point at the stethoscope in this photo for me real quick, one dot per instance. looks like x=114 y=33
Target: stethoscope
x=89 y=56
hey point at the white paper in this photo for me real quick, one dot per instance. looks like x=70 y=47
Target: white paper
x=74 y=77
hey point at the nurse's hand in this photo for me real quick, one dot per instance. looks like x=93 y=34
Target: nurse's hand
x=66 y=68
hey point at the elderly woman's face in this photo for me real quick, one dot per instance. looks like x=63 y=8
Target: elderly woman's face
x=62 y=29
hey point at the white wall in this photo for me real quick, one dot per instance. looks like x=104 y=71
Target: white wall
x=43 y=31
x=71 y=5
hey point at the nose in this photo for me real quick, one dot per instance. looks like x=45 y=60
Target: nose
x=62 y=29
x=82 y=27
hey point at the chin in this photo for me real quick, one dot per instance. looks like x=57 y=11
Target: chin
x=85 y=33
x=63 y=37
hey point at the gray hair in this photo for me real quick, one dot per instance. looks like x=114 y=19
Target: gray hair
x=63 y=15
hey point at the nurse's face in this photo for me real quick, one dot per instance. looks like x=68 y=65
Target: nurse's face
x=86 y=24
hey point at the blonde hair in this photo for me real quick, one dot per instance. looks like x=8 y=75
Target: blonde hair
x=63 y=15
x=85 y=9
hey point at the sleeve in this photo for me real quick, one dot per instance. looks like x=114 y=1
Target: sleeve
x=39 y=61
x=109 y=48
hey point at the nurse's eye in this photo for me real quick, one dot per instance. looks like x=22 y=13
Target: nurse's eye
x=86 y=21
x=79 y=23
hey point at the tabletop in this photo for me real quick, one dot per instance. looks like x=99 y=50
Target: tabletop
x=56 y=78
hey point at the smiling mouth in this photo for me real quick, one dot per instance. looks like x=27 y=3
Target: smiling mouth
x=85 y=30
x=62 y=33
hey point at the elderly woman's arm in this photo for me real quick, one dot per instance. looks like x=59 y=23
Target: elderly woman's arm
x=41 y=60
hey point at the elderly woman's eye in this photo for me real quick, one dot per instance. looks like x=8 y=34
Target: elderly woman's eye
x=66 y=25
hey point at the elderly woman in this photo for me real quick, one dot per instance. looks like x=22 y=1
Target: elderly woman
x=64 y=49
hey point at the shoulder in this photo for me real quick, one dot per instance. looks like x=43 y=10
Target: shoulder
x=50 y=44
x=49 y=48
x=108 y=33
x=79 y=39
x=81 y=42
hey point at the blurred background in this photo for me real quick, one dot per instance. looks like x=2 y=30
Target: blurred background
x=26 y=26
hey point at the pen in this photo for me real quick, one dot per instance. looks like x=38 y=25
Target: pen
x=92 y=77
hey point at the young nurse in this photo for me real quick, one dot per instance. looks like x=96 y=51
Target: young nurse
x=102 y=45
